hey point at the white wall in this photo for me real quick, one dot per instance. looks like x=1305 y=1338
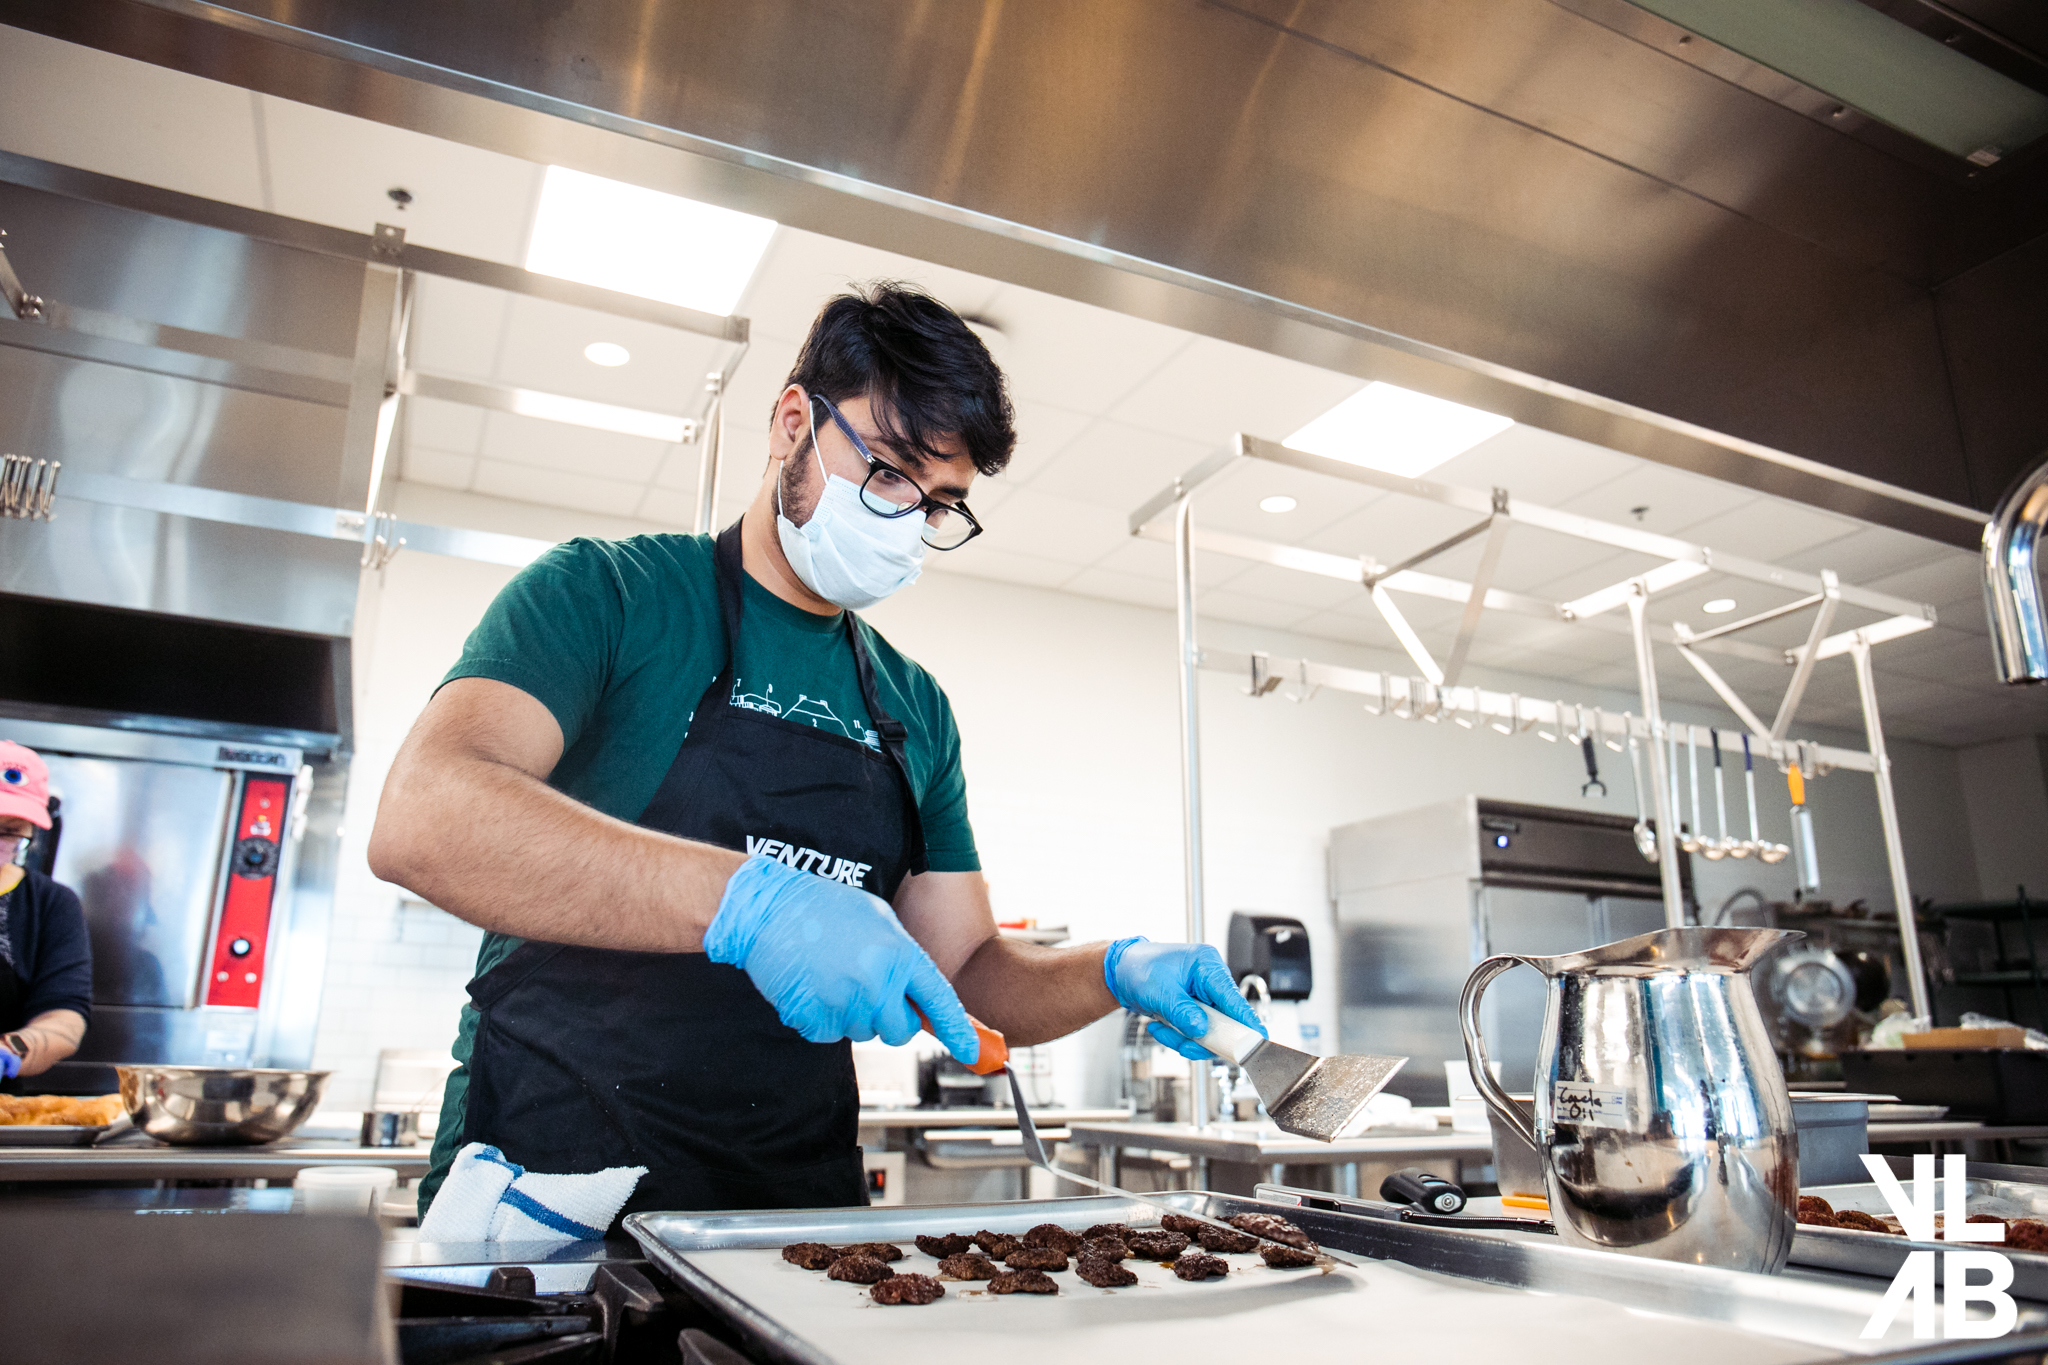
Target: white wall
x=1067 y=709
x=2005 y=789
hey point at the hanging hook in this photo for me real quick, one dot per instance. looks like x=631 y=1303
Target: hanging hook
x=1309 y=689
x=1263 y=680
x=1381 y=683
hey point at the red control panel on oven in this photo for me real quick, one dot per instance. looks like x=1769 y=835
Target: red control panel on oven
x=236 y=977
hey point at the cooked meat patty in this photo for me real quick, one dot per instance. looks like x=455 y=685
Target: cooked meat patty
x=997 y=1244
x=968 y=1265
x=810 y=1255
x=1814 y=1219
x=1223 y=1239
x=1103 y=1274
x=1813 y=1203
x=1036 y=1258
x=1023 y=1282
x=917 y=1289
x=1272 y=1227
x=1157 y=1245
x=2026 y=1234
x=859 y=1270
x=1116 y=1230
x=1282 y=1257
x=881 y=1251
x=1200 y=1266
x=952 y=1244
x=1103 y=1249
x=1856 y=1218
x=1180 y=1222
x=1054 y=1236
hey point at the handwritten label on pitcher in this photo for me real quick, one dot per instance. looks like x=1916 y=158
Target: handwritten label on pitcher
x=1591 y=1106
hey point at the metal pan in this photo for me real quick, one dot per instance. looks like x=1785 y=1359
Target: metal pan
x=1423 y=1293
x=59 y=1135
x=1881 y=1254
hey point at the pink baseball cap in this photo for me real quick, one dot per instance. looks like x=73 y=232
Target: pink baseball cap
x=24 y=784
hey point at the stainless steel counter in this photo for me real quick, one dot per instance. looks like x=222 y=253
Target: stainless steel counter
x=135 y=1157
x=983 y=1116
x=1262 y=1145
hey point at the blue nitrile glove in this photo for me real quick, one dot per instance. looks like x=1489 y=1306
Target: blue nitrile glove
x=10 y=1063
x=1165 y=980
x=833 y=960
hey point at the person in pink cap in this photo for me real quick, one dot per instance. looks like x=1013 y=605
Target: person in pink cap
x=45 y=955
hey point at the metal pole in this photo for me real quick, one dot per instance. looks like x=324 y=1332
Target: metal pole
x=713 y=438
x=1888 y=813
x=1660 y=780
x=1190 y=760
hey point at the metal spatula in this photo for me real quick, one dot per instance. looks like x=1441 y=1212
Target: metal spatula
x=995 y=1056
x=1323 y=1098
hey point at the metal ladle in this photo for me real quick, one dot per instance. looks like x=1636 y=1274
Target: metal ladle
x=1766 y=851
x=1743 y=848
x=1646 y=838
x=1689 y=837
x=1717 y=849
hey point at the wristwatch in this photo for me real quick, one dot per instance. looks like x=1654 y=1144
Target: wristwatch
x=16 y=1044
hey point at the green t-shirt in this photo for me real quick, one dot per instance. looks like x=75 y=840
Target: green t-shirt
x=619 y=639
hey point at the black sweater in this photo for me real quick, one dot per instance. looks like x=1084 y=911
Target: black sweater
x=52 y=955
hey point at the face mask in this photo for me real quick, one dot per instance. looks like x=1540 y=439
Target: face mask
x=845 y=553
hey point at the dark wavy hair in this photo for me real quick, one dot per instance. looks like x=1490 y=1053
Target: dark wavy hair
x=925 y=372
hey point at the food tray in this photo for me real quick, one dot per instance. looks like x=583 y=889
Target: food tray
x=1881 y=1254
x=58 y=1134
x=1416 y=1294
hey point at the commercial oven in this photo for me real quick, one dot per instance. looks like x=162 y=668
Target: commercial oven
x=1423 y=895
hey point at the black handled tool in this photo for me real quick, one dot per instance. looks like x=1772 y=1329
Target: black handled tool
x=1418 y=1187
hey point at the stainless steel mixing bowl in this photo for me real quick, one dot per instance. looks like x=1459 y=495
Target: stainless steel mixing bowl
x=216 y=1106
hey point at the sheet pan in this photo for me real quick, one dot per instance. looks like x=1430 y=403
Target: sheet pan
x=59 y=1134
x=1880 y=1254
x=1418 y=1294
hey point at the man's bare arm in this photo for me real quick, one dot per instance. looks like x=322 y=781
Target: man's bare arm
x=1029 y=993
x=51 y=1036
x=468 y=822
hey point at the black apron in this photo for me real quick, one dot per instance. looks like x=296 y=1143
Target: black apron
x=590 y=1057
x=13 y=994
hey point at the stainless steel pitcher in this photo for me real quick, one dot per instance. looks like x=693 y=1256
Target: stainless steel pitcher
x=1662 y=1117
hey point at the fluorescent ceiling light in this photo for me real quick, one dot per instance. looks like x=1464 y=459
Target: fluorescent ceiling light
x=1396 y=430
x=1720 y=606
x=1863 y=57
x=641 y=241
x=581 y=412
x=1279 y=502
x=609 y=354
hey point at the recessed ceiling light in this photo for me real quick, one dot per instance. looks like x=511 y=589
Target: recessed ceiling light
x=581 y=412
x=641 y=241
x=609 y=354
x=1720 y=606
x=1279 y=502
x=1396 y=430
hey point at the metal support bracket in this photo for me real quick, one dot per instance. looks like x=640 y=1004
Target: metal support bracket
x=25 y=306
x=1405 y=633
x=1482 y=580
x=1802 y=672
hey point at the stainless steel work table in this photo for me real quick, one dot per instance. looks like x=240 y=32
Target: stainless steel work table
x=983 y=1116
x=134 y=1157
x=1262 y=1145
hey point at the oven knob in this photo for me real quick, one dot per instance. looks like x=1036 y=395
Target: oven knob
x=255 y=857
x=240 y=947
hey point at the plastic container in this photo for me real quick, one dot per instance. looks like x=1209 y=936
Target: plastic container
x=344 y=1189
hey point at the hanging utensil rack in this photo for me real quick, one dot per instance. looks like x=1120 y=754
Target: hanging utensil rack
x=1433 y=693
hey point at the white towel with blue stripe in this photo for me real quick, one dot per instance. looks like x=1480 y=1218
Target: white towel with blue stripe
x=489 y=1199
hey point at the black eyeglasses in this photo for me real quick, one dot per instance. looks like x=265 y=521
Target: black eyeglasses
x=889 y=492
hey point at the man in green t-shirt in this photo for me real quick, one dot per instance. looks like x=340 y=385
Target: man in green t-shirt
x=717 y=827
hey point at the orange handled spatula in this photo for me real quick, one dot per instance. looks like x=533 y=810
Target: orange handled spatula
x=994 y=1057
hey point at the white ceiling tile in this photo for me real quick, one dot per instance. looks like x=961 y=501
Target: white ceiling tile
x=442 y=468
x=1309 y=591
x=1349 y=629
x=1074 y=355
x=1116 y=466
x=332 y=168
x=1535 y=466
x=81 y=107
x=457 y=328
x=1953 y=583
x=1153 y=559
x=1230 y=501
x=576 y=450
x=802 y=270
x=1871 y=552
x=444 y=426
x=1671 y=498
x=1117 y=587
x=557 y=488
x=1043 y=431
x=980 y=561
x=1391 y=529
x=1227 y=604
x=543 y=350
x=1035 y=523
x=669 y=507
x=1211 y=390
x=1769 y=529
